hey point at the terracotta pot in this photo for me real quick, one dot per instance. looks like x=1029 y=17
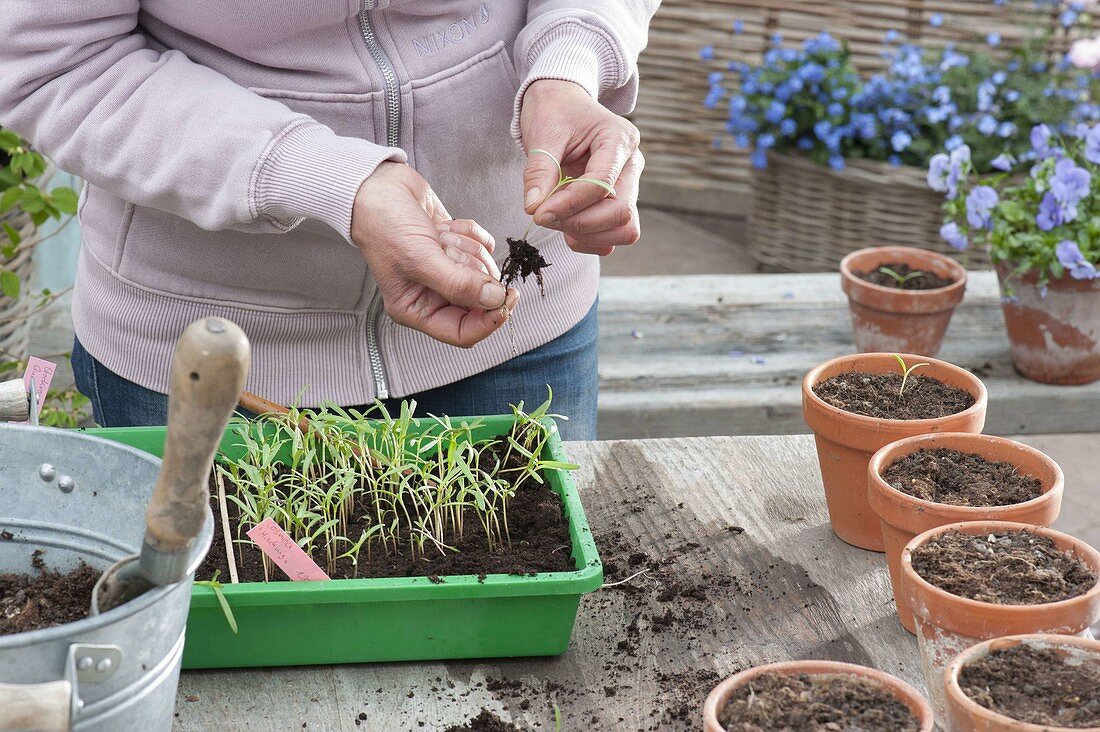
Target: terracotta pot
x=846 y=441
x=902 y=516
x=966 y=715
x=1055 y=339
x=887 y=319
x=720 y=695
x=948 y=624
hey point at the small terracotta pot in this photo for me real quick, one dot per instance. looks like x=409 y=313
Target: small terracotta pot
x=1055 y=339
x=902 y=516
x=720 y=695
x=846 y=441
x=966 y=715
x=887 y=319
x=948 y=624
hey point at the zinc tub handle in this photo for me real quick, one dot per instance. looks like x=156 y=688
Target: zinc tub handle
x=45 y=706
x=14 y=404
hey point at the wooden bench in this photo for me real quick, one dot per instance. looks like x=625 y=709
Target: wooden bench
x=725 y=355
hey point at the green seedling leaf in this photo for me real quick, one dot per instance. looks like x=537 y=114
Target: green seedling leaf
x=900 y=278
x=217 y=588
x=905 y=371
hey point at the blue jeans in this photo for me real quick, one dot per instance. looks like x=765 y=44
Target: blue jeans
x=568 y=364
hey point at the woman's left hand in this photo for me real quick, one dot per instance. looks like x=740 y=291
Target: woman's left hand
x=561 y=118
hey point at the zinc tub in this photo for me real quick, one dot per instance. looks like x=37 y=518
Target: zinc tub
x=391 y=619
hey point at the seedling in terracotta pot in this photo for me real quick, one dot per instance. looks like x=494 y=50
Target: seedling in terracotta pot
x=972 y=581
x=856 y=405
x=901 y=298
x=901 y=279
x=905 y=371
x=1025 y=682
x=524 y=259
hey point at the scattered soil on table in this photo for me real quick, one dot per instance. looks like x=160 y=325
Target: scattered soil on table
x=45 y=599
x=486 y=721
x=1036 y=685
x=537 y=525
x=815 y=702
x=1013 y=568
x=943 y=475
x=523 y=260
x=878 y=395
x=924 y=281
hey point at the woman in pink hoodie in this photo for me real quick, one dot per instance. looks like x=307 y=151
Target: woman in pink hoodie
x=333 y=176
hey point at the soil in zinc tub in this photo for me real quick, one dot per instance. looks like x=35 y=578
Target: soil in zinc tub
x=1035 y=685
x=880 y=395
x=1013 y=568
x=943 y=475
x=537 y=526
x=46 y=598
x=906 y=279
x=815 y=703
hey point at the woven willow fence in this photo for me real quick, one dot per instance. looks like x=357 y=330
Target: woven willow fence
x=679 y=134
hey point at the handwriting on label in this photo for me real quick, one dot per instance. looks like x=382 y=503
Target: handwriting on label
x=281 y=549
x=41 y=373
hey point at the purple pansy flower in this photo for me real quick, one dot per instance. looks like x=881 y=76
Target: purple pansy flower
x=953 y=236
x=1050 y=213
x=1040 y=141
x=1002 y=162
x=1070 y=256
x=979 y=207
x=1092 y=145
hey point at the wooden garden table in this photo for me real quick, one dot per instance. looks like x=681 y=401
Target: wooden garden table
x=793 y=591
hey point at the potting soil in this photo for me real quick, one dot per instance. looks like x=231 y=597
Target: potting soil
x=1035 y=685
x=815 y=703
x=924 y=281
x=523 y=261
x=46 y=598
x=1012 y=568
x=880 y=395
x=943 y=475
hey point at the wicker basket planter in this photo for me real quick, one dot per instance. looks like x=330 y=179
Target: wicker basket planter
x=806 y=217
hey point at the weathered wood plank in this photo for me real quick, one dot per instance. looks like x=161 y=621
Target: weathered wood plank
x=724 y=355
x=792 y=590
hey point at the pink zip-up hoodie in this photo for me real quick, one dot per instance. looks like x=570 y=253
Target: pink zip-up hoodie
x=223 y=143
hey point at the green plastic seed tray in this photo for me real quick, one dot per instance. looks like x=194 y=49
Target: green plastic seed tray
x=405 y=619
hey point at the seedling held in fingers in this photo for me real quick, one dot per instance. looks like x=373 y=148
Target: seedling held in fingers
x=905 y=371
x=524 y=259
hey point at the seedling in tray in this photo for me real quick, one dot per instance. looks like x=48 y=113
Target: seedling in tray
x=524 y=259
x=355 y=482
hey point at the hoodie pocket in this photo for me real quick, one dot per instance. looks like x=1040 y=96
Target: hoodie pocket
x=462 y=144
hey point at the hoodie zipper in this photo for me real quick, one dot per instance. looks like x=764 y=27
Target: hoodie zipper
x=393 y=139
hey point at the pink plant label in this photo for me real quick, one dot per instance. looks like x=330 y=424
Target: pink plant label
x=41 y=373
x=281 y=549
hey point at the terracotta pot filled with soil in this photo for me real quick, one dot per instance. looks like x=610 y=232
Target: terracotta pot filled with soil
x=1025 y=683
x=815 y=695
x=922 y=482
x=1054 y=331
x=858 y=404
x=901 y=299
x=972 y=581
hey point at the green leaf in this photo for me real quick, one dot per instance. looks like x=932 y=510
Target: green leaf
x=14 y=237
x=9 y=284
x=65 y=199
x=9 y=198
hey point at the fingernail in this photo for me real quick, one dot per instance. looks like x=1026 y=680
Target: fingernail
x=450 y=240
x=534 y=195
x=456 y=254
x=492 y=295
x=549 y=220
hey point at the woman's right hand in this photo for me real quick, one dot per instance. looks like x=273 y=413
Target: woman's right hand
x=436 y=275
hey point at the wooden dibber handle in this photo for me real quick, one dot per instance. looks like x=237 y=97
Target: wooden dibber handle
x=209 y=367
x=258 y=405
x=14 y=404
